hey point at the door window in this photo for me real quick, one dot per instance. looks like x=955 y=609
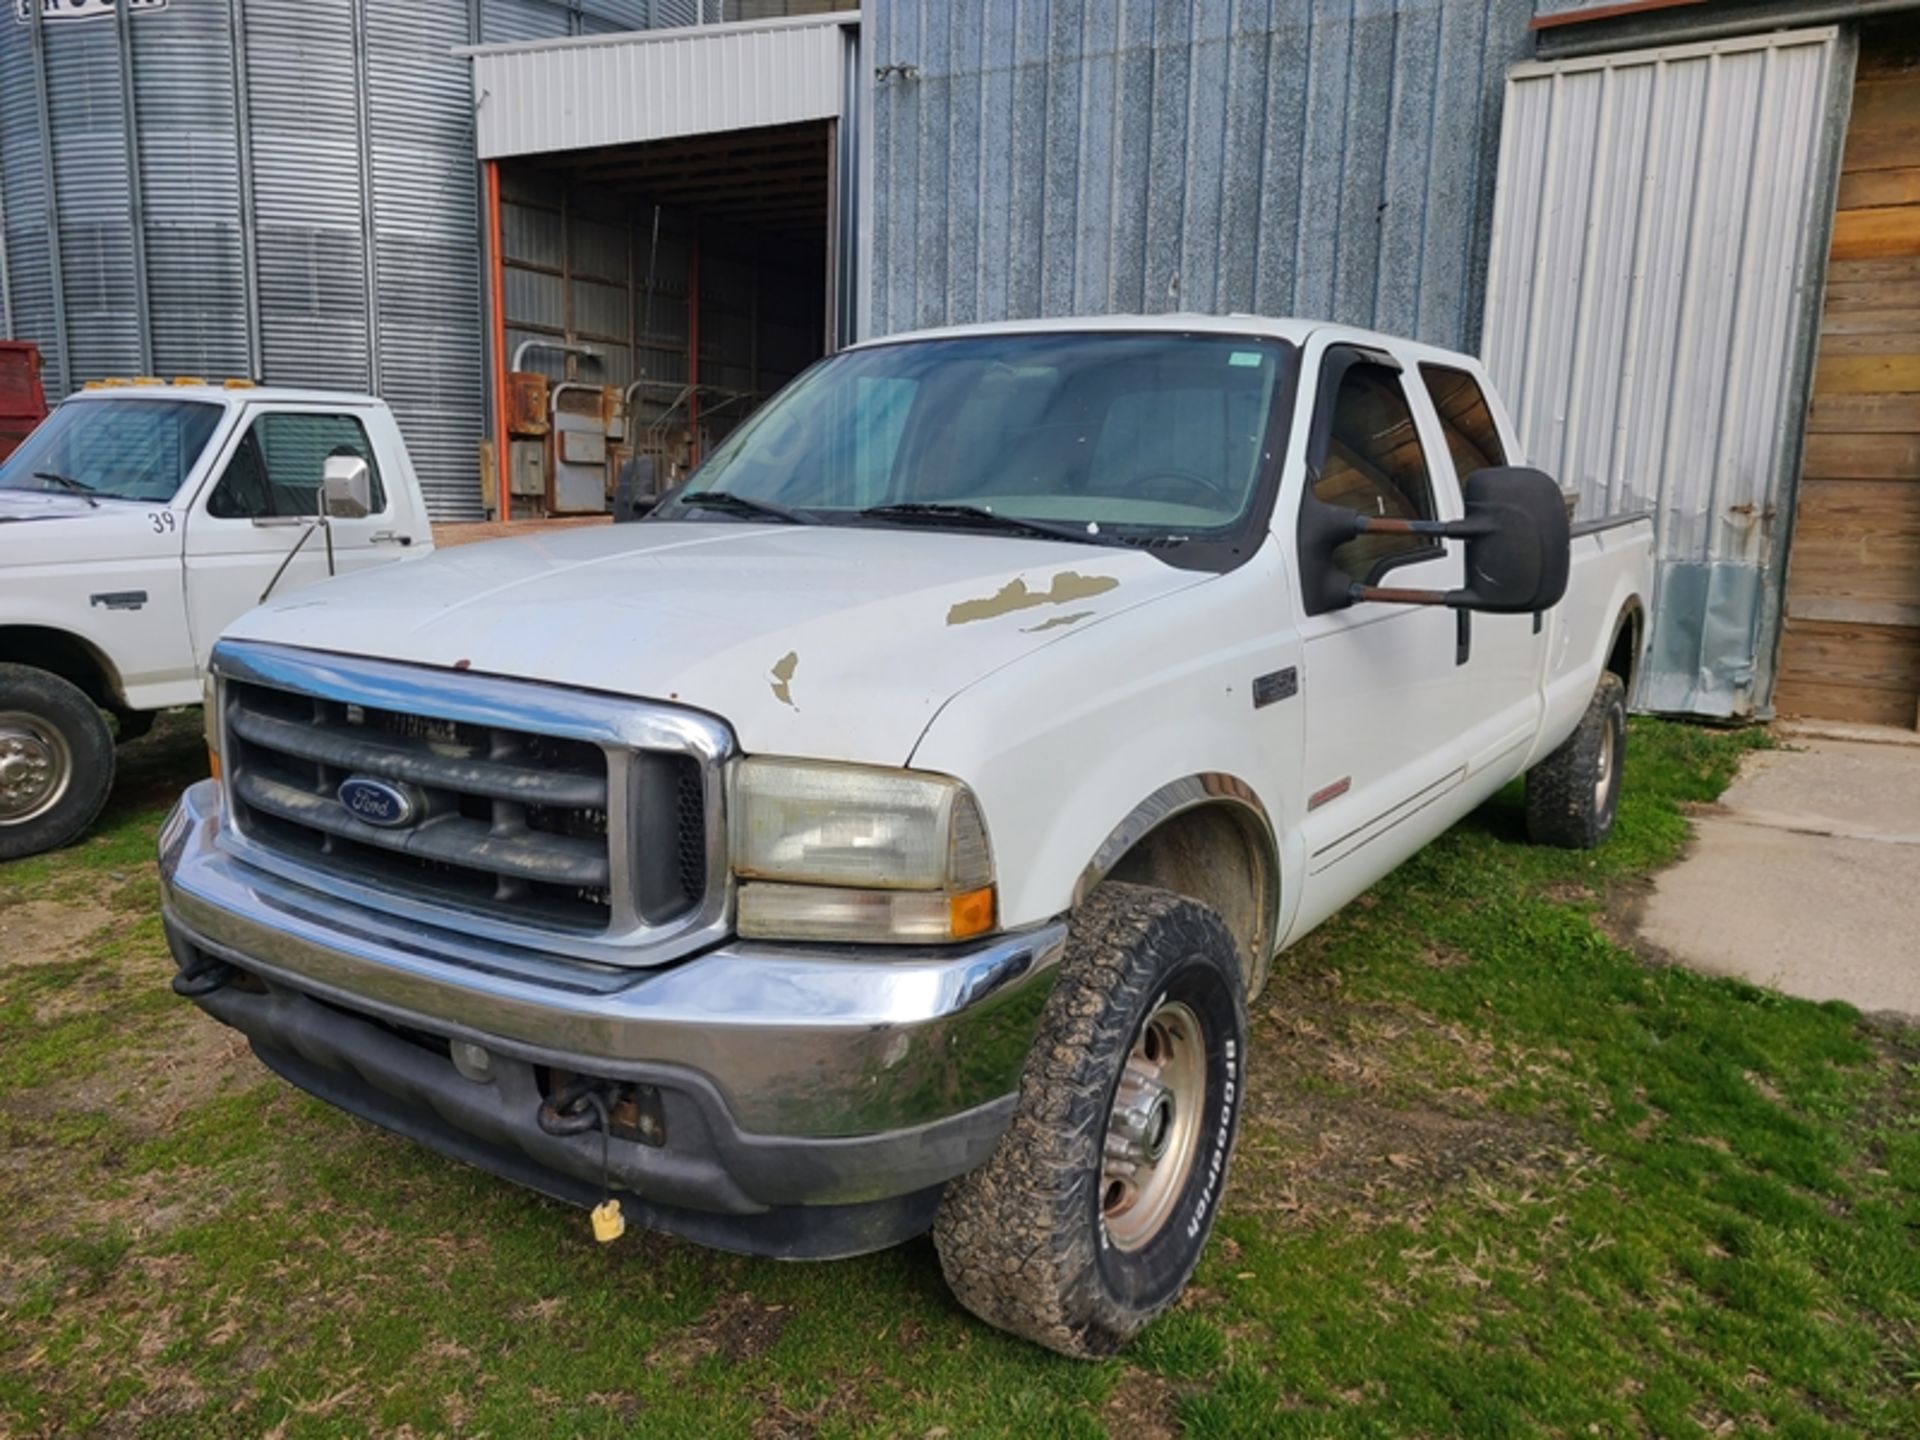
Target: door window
x=277 y=469
x=1473 y=439
x=1376 y=466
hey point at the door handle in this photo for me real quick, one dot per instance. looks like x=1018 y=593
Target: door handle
x=389 y=537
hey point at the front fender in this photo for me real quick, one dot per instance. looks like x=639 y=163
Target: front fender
x=1074 y=751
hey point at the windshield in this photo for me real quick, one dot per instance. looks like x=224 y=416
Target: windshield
x=1122 y=436
x=114 y=449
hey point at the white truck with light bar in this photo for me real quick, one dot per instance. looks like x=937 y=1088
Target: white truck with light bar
x=889 y=832
x=135 y=522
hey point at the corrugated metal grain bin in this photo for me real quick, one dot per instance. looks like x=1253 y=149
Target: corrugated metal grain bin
x=278 y=189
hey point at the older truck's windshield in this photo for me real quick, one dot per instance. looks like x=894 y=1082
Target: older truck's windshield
x=1098 y=435
x=114 y=449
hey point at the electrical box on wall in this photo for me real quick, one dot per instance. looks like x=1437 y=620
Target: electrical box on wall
x=528 y=469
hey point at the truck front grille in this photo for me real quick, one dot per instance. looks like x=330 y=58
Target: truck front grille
x=597 y=838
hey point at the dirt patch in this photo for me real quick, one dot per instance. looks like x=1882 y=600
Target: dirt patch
x=49 y=932
x=1374 y=1113
x=1142 y=1406
x=737 y=1329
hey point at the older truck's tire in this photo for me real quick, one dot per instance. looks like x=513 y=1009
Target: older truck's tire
x=1573 y=793
x=56 y=761
x=1089 y=1218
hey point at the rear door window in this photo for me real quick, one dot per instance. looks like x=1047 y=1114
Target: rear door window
x=1473 y=436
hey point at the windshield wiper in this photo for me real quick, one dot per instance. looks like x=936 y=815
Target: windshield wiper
x=740 y=505
x=939 y=510
x=78 y=487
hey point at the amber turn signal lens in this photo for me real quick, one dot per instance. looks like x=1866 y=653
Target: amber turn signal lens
x=213 y=763
x=970 y=913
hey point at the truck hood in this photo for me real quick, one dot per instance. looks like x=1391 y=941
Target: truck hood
x=821 y=641
x=40 y=529
x=18 y=504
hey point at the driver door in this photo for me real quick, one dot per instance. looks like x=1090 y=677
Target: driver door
x=261 y=513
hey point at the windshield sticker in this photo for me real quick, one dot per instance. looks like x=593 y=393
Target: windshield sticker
x=1014 y=595
x=1244 y=357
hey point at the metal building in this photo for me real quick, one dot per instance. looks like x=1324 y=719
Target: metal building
x=1685 y=234
x=281 y=189
x=1635 y=232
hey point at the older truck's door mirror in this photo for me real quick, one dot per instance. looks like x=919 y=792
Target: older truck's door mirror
x=346 y=487
x=1519 y=545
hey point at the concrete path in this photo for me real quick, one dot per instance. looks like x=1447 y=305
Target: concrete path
x=1806 y=878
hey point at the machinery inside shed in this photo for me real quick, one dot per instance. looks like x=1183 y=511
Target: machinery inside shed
x=650 y=297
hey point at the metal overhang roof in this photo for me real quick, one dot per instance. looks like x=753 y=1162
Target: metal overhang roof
x=637 y=86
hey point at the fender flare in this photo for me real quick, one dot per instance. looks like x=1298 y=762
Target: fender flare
x=1193 y=792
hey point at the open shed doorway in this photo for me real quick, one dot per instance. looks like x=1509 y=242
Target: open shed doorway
x=652 y=297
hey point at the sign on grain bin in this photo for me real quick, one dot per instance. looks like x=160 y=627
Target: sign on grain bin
x=79 y=9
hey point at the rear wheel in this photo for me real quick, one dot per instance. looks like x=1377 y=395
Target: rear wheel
x=56 y=761
x=1572 y=794
x=1089 y=1218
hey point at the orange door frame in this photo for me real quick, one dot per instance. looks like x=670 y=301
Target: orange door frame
x=497 y=289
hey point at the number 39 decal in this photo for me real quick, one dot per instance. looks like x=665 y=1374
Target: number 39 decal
x=162 y=521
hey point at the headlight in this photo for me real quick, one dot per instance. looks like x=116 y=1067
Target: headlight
x=857 y=853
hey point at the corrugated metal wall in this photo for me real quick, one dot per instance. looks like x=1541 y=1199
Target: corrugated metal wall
x=1658 y=237
x=1330 y=159
x=308 y=216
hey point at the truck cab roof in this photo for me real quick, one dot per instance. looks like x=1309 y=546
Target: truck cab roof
x=223 y=393
x=1293 y=330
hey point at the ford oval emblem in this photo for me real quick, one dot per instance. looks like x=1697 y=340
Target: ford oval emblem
x=379 y=802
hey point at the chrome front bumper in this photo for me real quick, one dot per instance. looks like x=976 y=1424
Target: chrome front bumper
x=873 y=1073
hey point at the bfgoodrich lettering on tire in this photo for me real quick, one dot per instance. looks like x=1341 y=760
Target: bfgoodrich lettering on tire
x=1573 y=793
x=1089 y=1218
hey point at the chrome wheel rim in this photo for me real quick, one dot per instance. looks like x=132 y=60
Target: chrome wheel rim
x=1603 y=776
x=36 y=767
x=1153 y=1129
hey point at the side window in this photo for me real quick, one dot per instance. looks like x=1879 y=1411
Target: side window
x=277 y=469
x=1467 y=420
x=1375 y=465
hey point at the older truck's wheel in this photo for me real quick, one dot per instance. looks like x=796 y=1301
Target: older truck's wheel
x=56 y=761
x=1091 y=1215
x=1573 y=793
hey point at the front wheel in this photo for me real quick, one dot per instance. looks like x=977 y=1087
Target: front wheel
x=1090 y=1217
x=56 y=761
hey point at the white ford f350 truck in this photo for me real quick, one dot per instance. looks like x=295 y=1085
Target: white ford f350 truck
x=135 y=522
x=889 y=832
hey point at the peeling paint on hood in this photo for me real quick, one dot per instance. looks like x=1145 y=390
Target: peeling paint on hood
x=1014 y=595
x=708 y=613
x=782 y=682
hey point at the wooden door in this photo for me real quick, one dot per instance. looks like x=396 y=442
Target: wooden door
x=1851 y=647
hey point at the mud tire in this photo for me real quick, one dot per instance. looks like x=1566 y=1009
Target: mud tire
x=1023 y=1240
x=1573 y=794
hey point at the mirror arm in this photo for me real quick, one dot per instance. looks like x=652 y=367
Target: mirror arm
x=1388 y=595
x=1466 y=529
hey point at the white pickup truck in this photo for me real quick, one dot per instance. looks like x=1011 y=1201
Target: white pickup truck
x=135 y=523
x=889 y=832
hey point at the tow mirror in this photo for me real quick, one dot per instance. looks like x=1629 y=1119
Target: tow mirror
x=1519 y=546
x=346 y=485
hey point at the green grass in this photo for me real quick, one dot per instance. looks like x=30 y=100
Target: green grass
x=1499 y=1176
